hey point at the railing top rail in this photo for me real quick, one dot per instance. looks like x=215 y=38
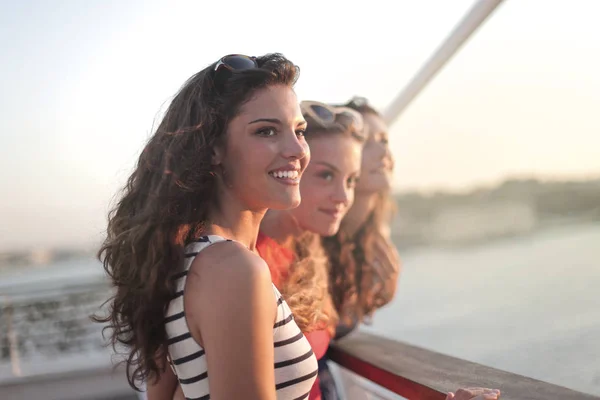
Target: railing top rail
x=420 y=374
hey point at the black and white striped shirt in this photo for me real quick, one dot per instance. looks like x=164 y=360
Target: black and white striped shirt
x=295 y=364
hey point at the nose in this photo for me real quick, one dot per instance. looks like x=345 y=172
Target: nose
x=294 y=147
x=386 y=154
x=389 y=156
x=342 y=194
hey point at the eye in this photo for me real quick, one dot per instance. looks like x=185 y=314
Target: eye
x=269 y=131
x=382 y=138
x=352 y=182
x=326 y=175
x=300 y=132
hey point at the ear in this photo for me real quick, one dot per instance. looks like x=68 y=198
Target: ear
x=217 y=155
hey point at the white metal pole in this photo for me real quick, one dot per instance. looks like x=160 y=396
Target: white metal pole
x=469 y=24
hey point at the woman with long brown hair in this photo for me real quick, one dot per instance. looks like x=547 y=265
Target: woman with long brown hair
x=336 y=137
x=364 y=261
x=181 y=243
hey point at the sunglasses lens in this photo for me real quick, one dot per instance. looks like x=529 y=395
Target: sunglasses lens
x=323 y=113
x=358 y=102
x=239 y=62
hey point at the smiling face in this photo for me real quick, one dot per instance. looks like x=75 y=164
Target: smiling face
x=265 y=152
x=327 y=186
x=377 y=162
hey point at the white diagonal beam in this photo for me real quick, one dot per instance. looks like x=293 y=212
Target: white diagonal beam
x=469 y=24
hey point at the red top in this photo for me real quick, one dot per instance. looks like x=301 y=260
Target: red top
x=279 y=258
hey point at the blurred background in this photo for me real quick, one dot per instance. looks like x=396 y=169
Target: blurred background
x=497 y=175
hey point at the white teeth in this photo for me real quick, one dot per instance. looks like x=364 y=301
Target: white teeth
x=285 y=174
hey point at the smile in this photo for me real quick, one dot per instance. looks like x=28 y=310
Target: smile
x=289 y=177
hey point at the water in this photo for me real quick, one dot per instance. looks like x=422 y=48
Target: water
x=526 y=305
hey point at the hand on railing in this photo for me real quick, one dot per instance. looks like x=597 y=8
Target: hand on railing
x=474 y=394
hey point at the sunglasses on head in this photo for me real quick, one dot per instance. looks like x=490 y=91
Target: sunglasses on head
x=357 y=102
x=328 y=117
x=231 y=63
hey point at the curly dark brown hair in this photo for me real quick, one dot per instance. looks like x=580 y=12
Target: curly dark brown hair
x=355 y=285
x=166 y=203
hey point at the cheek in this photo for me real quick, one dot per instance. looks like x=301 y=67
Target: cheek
x=248 y=157
x=368 y=157
x=309 y=191
x=305 y=161
x=350 y=196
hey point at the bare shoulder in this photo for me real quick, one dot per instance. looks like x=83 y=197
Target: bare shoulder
x=227 y=276
x=228 y=260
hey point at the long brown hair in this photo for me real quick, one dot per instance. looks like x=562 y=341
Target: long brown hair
x=354 y=283
x=166 y=203
x=306 y=287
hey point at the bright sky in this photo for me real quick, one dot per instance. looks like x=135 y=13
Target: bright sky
x=81 y=84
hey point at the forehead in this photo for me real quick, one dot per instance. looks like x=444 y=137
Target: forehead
x=375 y=124
x=341 y=151
x=277 y=101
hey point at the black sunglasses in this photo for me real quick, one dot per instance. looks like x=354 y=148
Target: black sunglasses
x=231 y=63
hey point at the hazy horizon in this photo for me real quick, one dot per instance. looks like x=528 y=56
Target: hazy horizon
x=83 y=83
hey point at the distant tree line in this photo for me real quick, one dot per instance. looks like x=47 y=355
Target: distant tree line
x=552 y=202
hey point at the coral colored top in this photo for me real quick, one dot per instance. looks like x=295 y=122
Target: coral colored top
x=279 y=259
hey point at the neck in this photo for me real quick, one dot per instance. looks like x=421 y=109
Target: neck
x=280 y=226
x=232 y=221
x=363 y=205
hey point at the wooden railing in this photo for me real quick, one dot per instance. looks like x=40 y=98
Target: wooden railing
x=419 y=374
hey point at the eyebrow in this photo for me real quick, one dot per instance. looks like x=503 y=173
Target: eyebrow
x=327 y=165
x=274 y=121
x=271 y=120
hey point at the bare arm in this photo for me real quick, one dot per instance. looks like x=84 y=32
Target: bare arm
x=387 y=261
x=163 y=387
x=230 y=309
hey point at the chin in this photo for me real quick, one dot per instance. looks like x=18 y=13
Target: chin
x=321 y=230
x=285 y=200
x=330 y=230
x=290 y=203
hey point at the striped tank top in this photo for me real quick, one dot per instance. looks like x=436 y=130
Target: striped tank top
x=295 y=364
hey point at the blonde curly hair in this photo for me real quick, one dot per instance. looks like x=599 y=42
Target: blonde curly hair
x=305 y=287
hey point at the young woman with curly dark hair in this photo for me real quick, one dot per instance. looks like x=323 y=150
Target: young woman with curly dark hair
x=290 y=240
x=181 y=242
